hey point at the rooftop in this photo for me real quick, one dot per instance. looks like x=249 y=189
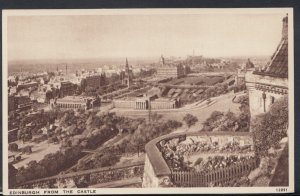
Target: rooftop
x=73 y=99
x=278 y=65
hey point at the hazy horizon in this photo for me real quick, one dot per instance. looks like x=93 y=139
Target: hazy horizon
x=131 y=60
x=141 y=36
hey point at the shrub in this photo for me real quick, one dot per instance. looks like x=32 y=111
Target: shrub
x=27 y=150
x=107 y=160
x=269 y=128
x=190 y=120
x=40 y=138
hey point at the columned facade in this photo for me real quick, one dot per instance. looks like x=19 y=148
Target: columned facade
x=142 y=104
x=71 y=105
x=145 y=104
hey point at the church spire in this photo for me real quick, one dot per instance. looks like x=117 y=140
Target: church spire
x=162 y=60
x=127 y=63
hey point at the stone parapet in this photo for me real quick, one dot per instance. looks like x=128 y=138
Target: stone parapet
x=156 y=171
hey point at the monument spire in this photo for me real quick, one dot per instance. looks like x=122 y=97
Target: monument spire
x=127 y=63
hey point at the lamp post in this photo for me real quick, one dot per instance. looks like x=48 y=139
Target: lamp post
x=264 y=98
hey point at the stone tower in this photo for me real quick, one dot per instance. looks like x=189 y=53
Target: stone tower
x=127 y=77
x=162 y=60
x=267 y=85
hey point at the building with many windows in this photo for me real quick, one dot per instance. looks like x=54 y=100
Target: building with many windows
x=95 y=81
x=75 y=102
x=67 y=89
x=170 y=70
x=147 y=103
x=27 y=85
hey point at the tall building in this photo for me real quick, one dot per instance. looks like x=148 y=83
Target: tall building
x=127 y=75
x=267 y=85
x=241 y=72
x=167 y=70
x=192 y=60
x=27 y=85
x=96 y=81
x=67 y=89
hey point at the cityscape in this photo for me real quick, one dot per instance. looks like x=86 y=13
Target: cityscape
x=170 y=119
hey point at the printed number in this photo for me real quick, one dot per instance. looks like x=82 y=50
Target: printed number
x=281 y=190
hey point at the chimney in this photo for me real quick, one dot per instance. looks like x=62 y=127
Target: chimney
x=285 y=27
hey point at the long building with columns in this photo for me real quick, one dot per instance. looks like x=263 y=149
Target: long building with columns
x=267 y=85
x=75 y=102
x=146 y=103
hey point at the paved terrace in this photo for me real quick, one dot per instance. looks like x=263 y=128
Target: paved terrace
x=155 y=156
x=158 y=174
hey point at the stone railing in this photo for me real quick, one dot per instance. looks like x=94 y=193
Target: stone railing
x=90 y=177
x=157 y=172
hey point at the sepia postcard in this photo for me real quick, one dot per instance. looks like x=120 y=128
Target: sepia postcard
x=133 y=101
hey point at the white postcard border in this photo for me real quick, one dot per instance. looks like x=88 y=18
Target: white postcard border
x=213 y=190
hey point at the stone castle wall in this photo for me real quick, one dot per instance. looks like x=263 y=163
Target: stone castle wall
x=150 y=177
x=150 y=180
x=274 y=88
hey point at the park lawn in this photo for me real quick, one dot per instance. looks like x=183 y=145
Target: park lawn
x=197 y=80
x=38 y=152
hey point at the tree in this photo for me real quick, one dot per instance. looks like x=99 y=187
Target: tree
x=49 y=95
x=209 y=123
x=27 y=150
x=210 y=92
x=155 y=117
x=34 y=170
x=270 y=127
x=12 y=172
x=106 y=160
x=13 y=147
x=230 y=119
x=190 y=120
x=220 y=88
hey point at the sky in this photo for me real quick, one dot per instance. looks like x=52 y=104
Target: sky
x=120 y=36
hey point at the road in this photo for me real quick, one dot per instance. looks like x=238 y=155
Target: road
x=202 y=111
